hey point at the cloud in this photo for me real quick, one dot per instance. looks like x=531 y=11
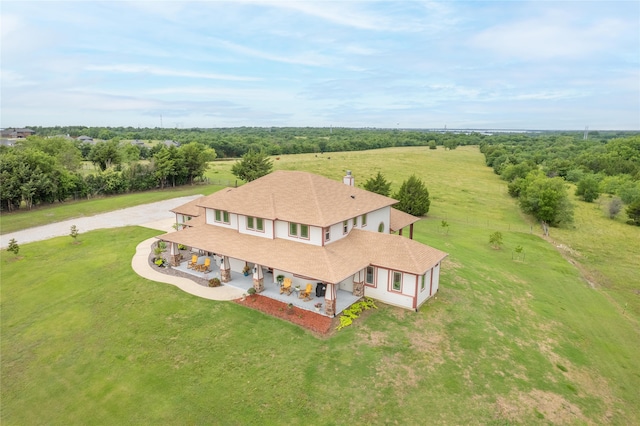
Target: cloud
x=165 y=72
x=552 y=36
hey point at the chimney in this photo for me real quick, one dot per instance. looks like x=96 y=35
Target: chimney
x=348 y=179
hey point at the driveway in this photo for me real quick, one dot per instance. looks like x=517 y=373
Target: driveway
x=154 y=215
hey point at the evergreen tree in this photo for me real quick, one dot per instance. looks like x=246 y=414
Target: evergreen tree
x=413 y=197
x=378 y=184
x=253 y=165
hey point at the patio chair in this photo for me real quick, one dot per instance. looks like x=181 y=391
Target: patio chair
x=205 y=267
x=193 y=261
x=286 y=286
x=306 y=294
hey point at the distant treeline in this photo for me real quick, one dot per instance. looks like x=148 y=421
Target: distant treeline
x=536 y=166
x=45 y=168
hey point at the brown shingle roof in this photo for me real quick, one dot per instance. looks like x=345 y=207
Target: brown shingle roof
x=331 y=263
x=296 y=196
x=400 y=219
x=190 y=209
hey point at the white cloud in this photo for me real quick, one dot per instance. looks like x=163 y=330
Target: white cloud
x=166 y=72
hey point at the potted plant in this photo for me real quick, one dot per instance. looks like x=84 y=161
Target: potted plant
x=246 y=270
x=280 y=279
x=290 y=308
x=318 y=306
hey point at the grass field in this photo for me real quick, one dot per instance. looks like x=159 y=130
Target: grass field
x=86 y=341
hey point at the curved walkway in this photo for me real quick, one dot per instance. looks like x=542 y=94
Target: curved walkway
x=140 y=265
x=153 y=215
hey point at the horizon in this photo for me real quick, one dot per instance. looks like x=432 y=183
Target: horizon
x=546 y=66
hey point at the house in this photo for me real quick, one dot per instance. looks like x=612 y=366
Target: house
x=312 y=229
x=17 y=133
x=85 y=139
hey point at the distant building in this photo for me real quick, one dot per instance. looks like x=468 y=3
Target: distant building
x=86 y=139
x=17 y=133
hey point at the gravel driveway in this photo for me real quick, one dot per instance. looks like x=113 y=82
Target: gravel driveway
x=139 y=215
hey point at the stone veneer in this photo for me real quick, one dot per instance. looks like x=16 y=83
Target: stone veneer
x=174 y=259
x=225 y=275
x=330 y=307
x=358 y=289
x=258 y=284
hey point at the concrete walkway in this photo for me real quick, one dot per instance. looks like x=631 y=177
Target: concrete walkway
x=140 y=264
x=154 y=216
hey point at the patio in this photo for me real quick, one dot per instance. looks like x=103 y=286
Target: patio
x=344 y=299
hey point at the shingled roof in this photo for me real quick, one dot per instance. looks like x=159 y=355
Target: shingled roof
x=295 y=196
x=331 y=263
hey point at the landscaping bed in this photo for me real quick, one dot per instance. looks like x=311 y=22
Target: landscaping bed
x=317 y=323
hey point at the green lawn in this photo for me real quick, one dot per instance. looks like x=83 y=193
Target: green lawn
x=86 y=341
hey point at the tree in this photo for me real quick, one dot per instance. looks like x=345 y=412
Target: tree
x=615 y=205
x=546 y=199
x=164 y=166
x=633 y=211
x=445 y=225
x=74 y=233
x=432 y=144
x=588 y=188
x=253 y=165
x=105 y=154
x=413 y=197
x=495 y=239
x=13 y=247
x=378 y=184
x=196 y=158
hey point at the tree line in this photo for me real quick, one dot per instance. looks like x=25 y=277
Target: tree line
x=40 y=170
x=539 y=168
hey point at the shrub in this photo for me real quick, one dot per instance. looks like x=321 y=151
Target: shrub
x=215 y=282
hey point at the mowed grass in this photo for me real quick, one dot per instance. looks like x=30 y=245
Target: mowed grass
x=86 y=341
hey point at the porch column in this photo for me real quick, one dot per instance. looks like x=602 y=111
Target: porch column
x=330 y=300
x=358 y=283
x=225 y=270
x=411 y=231
x=174 y=254
x=258 y=278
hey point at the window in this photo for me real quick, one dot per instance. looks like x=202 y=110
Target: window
x=355 y=221
x=294 y=228
x=345 y=226
x=422 y=283
x=381 y=227
x=221 y=216
x=363 y=220
x=370 y=277
x=397 y=281
x=327 y=234
x=255 y=223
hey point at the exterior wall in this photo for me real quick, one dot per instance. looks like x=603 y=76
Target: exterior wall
x=346 y=285
x=432 y=281
x=183 y=218
x=383 y=291
x=375 y=217
x=282 y=231
x=211 y=219
x=267 y=225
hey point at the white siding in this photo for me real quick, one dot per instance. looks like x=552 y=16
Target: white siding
x=383 y=285
x=374 y=218
x=267 y=232
x=282 y=231
x=211 y=219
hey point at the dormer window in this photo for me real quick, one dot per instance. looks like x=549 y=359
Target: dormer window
x=363 y=220
x=327 y=234
x=345 y=227
x=355 y=221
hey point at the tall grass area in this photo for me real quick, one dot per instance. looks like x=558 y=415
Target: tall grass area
x=506 y=340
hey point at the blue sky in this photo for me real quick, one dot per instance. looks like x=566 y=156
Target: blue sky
x=394 y=64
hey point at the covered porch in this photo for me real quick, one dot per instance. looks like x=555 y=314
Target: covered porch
x=271 y=288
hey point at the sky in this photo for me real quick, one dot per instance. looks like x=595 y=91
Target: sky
x=384 y=64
